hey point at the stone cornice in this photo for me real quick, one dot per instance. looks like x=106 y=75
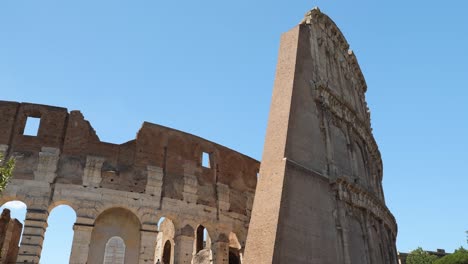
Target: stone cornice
x=358 y=197
x=334 y=33
x=329 y=100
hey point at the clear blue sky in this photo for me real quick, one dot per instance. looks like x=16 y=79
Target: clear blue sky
x=207 y=67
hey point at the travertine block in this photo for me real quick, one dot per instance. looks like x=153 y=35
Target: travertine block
x=92 y=171
x=190 y=188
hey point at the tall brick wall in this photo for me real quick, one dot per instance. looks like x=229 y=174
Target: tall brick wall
x=319 y=197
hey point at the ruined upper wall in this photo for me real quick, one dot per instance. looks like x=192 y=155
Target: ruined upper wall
x=66 y=145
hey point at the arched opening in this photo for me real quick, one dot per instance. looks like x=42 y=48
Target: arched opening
x=202 y=247
x=166 y=257
x=115 y=222
x=165 y=241
x=59 y=236
x=12 y=218
x=235 y=255
x=202 y=239
x=115 y=251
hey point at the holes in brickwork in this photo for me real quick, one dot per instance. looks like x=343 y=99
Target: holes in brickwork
x=32 y=126
x=206 y=162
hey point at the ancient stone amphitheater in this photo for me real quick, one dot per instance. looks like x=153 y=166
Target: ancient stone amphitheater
x=177 y=198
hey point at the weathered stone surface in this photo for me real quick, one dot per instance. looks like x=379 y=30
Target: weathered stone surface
x=319 y=198
x=10 y=232
x=160 y=173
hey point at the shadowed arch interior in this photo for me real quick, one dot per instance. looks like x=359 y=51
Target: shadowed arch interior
x=166 y=258
x=115 y=222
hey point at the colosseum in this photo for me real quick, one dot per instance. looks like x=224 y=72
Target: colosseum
x=171 y=197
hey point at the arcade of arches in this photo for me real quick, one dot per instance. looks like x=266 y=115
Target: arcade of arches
x=166 y=195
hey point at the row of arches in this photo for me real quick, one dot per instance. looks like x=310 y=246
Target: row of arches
x=116 y=236
x=202 y=241
x=58 y=239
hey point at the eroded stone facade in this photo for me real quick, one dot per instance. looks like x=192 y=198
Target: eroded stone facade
x=154 y=199
x=124 y=190
x=319 y=197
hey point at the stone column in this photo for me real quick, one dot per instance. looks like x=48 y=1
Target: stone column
x=81 y=242
x=35 y=226
x=220 y=249
x=149 y=235
x=183 y=245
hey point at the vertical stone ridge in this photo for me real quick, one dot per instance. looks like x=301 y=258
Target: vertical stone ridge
x=319 y=146
x=265 y=213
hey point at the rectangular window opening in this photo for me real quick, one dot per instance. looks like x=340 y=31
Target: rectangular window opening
x=32 y=126
x=206 y=160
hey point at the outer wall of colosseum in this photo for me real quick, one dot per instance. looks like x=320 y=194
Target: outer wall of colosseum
x=319 y=197
x=178 y=198
x=166 y=195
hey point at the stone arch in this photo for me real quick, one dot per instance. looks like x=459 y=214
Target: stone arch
x=112 y=222
x=115 y=251
x=101 y=208
x=166 y=234
x=147 y=215
x=57 y=203
x=20 y=198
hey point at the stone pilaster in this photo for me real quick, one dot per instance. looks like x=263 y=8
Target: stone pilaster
x=92 y=172
x=149 y=235
x=190 y=188
x=184 y=240
x=220 y=249
x=47 y=166
x=155 y=181
x=223 y=196
x=183 y=249
x=81 y=242
x=35 y=226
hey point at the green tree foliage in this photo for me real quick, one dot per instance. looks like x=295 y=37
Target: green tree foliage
x=6 y=170
x=419 y=256
x=460 y=256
